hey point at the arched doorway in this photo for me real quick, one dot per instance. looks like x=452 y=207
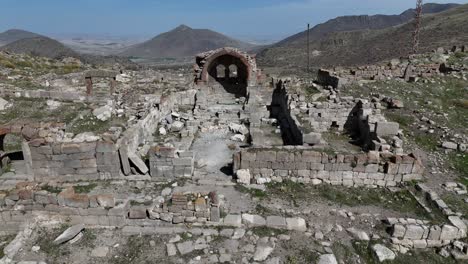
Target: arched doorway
x=235 y=77
x=15 y=155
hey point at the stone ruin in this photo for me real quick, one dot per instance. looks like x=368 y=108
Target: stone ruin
x=408 y=69
x=278 y=131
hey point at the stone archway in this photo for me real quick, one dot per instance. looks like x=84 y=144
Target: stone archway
x=206 y=70
x=235 y=78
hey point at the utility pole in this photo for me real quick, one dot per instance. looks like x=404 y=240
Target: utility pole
x=417 y=25
x=308 y=49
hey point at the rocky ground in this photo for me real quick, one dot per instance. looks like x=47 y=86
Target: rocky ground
x=340 y=224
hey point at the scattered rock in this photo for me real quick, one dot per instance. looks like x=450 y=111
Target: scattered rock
x=68 y=234
x=383 y=253
x=177 y=126
x=4 y=104
x=449 y=145
x=358 y=234
x=327 y=259
x=238 y=138
x=52 y=105
x=171 y=249
x=100 y=252
x=103 y=113
x=237 y=128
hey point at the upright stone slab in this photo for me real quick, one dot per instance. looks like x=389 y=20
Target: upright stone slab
x=123 y=151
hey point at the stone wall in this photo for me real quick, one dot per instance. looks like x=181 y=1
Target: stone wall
x=181 y=208
x=413 y=233
x=338 y=77
x=160 y=107
x=26 y=202
x=166 y=162
x=74 y=161
x=305 y=165
x=55 y=95
x=281 y=110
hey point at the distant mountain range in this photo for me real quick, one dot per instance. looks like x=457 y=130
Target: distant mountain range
x=344 y=40
x=335 y=41
x=183 y=41
x=13 y=35
x=19 y=41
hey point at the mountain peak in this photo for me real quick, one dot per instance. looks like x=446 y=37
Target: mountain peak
x=182 y=27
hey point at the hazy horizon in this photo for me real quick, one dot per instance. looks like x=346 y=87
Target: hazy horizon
x=262 y=20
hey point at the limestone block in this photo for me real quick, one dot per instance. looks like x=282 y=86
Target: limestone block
x=387 y=129
x=253 y=220
x=414 y=232
x=137 y=212
x=297 y=223
x=449 y=232
x=276 y=222
x=268 y=155
x=233 y=220
x=434 y=233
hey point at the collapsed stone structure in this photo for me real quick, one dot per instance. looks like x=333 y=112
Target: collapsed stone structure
x=157 y=146
x=408 y=69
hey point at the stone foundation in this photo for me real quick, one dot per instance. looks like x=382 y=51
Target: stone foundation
x=305 y=165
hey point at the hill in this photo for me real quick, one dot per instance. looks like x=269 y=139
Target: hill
x=13 y=35
x=40 y=46
x=346 y=32
x=183 y=41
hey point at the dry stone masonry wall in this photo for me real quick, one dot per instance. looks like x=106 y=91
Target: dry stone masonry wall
x=309 y=166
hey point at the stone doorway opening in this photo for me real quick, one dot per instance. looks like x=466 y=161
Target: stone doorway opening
x=231 y=73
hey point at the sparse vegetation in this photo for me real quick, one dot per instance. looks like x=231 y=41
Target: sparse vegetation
x=365 y=253
x=460 y=163
x=85 y=188
x=36 y=109
x=426 y=141
x=91 y=123
x=252 y=191
x=401 y=201
x=456 y=202
x=45 y=242
x=51 y=189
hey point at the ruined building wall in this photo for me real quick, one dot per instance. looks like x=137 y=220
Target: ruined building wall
x=281 y=110
x=338 y=77
x=75 y=161
x=304 y=165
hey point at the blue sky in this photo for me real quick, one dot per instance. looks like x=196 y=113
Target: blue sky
x=241 y=18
